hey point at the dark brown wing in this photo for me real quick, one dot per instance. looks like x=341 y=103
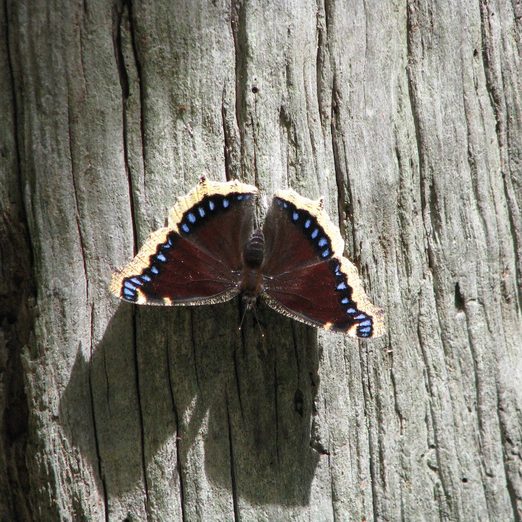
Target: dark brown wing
x=305 y=274
x=197 y=258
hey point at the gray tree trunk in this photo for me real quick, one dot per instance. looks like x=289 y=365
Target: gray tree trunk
x=406 y=116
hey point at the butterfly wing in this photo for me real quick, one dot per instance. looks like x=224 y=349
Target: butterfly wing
x=196 y=259
x=305 y=275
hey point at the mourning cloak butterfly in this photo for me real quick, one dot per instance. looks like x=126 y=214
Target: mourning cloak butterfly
x=210 y=253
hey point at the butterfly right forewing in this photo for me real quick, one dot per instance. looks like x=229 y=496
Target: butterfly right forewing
x=305 y=275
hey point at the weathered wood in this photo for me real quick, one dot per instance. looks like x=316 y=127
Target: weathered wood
x=405 y=116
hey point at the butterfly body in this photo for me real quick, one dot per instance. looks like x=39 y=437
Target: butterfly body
x=251 y=285
x=210 y=253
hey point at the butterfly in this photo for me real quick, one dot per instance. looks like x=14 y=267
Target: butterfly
x=210 y=253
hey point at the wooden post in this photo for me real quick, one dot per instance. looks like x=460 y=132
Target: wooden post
x=406 y=118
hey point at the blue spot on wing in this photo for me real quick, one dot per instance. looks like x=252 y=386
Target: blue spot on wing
x=307 y=224
x=161 y=257
x=322 y=242
x=364 y=332
x=201 y=211
x=295 y=216
x=226 y=203
x=341 y=286
x=191 y=217
x=185 y=228
x=211 y=205
x=146 y=278
x=325 y=253
x=315 y=233
x=129 y=286
x=154 y=270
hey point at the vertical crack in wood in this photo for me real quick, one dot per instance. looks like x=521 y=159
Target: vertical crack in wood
x=367 y=400
x=478 y=371
x=395 y=401
x=296 y=353
x=419 y=142
x=238 y=27
x=446 y=500
x=238 y=383
x=488 y=62
x=227 y=145
x=107 y=382
x=241 y=311
x=412 y=97
x=333 y=495
x=321 y=24
x=510 y=452
x=342 y=179
x=332 y=489
x=178 y=436
x=239 y=34
x=276 y=411
x=139 y=74
x=93 y=420
x=16 y=315
x=77 y=216
x=286 y=125
x=140 y=406
x=123 y=20
x=360 y=454
x=14 y=89
x=120 y=17
x=253 y=122
x=123 y=16
x=233 y=479
x=498 y=105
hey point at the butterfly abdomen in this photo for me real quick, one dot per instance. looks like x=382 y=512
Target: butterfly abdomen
x=251 y=279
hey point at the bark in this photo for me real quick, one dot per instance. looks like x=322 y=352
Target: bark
x=406 y=116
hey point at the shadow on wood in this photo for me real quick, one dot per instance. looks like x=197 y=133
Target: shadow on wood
x=213 y=408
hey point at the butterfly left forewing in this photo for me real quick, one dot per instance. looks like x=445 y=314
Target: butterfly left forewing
x=197 y=258
x=305 y=274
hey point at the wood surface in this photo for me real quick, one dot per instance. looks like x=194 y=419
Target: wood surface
x=406 y=117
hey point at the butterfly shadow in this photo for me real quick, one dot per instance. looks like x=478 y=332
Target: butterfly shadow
x=182 y=392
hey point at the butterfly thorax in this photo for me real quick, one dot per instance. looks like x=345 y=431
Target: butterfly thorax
x=251 y=278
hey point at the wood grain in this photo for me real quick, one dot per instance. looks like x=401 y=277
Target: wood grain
x=405 y=116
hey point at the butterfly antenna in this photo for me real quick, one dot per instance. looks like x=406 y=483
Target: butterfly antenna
x=254 y=309
x=245 y=308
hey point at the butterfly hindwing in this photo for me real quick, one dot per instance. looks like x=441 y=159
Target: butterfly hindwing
x=197 y=258
x=305 y=274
